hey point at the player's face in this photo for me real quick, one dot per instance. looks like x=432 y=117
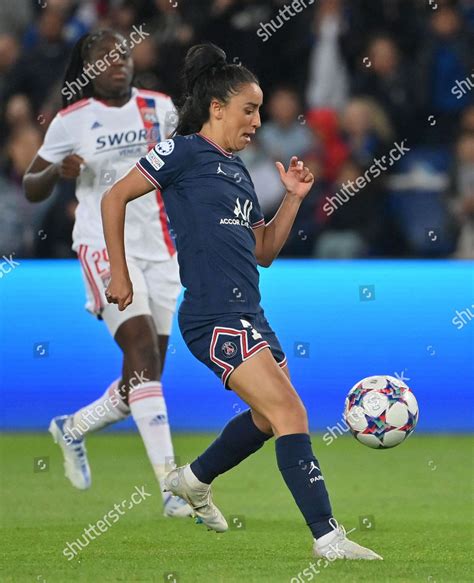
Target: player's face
x=117 y=69
x=241 y=116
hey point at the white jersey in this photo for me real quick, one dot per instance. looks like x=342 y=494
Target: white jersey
x=111 y=140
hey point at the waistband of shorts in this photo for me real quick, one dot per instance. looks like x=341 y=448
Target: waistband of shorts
x=189 y=318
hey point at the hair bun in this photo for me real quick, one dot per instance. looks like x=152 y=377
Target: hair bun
x=199 y=60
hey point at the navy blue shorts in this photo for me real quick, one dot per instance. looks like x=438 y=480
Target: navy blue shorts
x=224 y=342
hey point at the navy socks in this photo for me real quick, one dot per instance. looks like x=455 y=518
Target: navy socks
x=300 y=470
x=296 y=462
x=239 y=439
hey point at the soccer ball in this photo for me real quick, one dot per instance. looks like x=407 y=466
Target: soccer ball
x=381 y=411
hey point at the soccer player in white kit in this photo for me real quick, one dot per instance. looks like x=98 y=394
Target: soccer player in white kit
x=105 y=126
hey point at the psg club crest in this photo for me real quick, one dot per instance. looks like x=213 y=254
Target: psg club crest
x=229 y=349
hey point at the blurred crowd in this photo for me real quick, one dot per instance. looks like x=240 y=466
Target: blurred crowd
x=346 y=84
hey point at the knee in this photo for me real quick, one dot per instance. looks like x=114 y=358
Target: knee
x=294 y=406
x=289 y=414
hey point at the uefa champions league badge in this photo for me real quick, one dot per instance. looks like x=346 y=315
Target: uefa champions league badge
x=165 y=148
x=229 y=349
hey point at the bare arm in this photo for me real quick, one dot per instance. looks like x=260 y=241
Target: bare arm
x=41 y=176
x=298 y=181
x=114 y=203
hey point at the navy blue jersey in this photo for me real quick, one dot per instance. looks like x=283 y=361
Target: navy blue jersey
x=212 y=206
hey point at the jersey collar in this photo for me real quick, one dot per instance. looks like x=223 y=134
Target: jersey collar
x=133 y=94
x=216 y=146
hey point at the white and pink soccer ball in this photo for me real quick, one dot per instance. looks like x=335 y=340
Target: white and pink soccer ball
x=381 y=411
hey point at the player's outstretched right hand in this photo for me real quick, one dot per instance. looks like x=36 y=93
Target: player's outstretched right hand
x=120 y=291
x=70 y=166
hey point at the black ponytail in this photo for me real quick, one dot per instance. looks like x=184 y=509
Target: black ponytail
x=207 y=75
x=75 y=70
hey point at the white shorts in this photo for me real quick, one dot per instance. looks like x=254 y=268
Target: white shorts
x=156 y=287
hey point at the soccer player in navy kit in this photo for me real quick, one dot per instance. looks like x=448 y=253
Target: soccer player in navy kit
x=221 y=238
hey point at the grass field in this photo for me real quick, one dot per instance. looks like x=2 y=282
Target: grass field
x=412 y=504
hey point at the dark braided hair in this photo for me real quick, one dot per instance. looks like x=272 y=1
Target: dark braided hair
x=80 y=54
x=207 y=76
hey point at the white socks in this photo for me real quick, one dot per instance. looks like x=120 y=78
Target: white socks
x=148 y=409
x=106 y=410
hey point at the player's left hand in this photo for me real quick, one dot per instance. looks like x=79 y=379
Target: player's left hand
x=297 y=180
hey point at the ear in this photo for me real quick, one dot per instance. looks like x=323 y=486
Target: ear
x=216 y=109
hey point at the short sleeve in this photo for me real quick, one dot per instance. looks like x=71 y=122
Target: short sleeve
x=57 y=142
x=165 y=162
x=256 y=215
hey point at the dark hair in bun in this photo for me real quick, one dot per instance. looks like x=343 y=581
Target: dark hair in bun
x=207 y=76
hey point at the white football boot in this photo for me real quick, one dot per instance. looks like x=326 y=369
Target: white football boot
x=198 y=496
x=340 y=547
x=174 y=507
x=76 y=465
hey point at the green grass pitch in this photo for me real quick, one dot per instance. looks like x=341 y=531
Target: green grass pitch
x=412 y=504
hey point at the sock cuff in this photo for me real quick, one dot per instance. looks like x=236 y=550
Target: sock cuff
x=147 y=400
x=145 y=391
x=293 y=450
x=293 y=438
